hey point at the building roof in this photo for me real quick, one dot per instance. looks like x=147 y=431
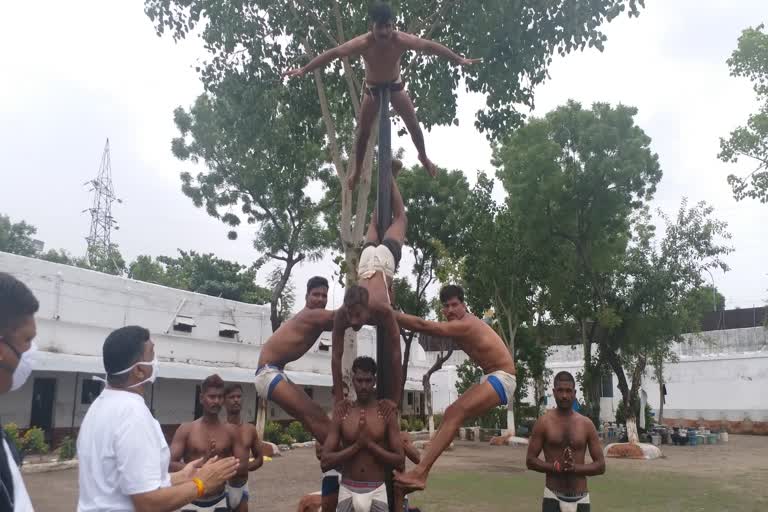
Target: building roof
x=57 y=362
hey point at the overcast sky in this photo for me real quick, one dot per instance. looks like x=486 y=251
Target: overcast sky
x=77 y=72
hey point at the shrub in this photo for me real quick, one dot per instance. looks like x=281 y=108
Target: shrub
x=438 y=419
x=12 y=433
x=34 y=441
x=67 y=449
x=416 y=425
x=284 y=438
x=296 y=430
x=404 y=426
x=272 y=432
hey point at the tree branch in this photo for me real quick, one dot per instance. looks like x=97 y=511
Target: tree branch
x=352 y=84
x=322 y=26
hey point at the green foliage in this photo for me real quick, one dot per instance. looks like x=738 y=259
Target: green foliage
x=296 y=431
x=404 y=425
x=67 y=449
x=272 y=432
x=109 y=261
x=202 y=273
x=16 y=237
x=416 y=425
x=467 y=375
x=750 y=60
x=621 y=414
x=12 y=433
x=515 y=40
x=438 y=419
x=261 y=155
x=285 y=438
x=34 y=441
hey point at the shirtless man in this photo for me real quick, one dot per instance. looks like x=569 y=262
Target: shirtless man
x=291 y=341
x=209 y=437
x=564 y=435
x=484 y=347
x=375 y=274
x=381 y=49
x=233 y=396
x=365 y=445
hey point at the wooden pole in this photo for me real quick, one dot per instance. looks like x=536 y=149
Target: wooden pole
x=384 y=219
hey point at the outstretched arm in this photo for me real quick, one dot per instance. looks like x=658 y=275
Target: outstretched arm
x=418 y=44
x=597 y=466
x=351 y=48
x=444 y=329
x=394 y=455
x=337 y=352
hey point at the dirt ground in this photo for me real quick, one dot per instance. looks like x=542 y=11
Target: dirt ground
x=279 y=485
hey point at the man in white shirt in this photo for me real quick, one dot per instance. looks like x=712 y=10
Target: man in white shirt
x=123 y=455
x=17 y=330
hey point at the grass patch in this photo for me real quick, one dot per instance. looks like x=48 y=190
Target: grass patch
x=617 y=490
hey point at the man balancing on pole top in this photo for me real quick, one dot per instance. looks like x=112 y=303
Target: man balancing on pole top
x=564 y=435
x=484 y=347
x=381 y=49
x=370 y=302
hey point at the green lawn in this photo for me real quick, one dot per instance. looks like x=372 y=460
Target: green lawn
x=617 y=490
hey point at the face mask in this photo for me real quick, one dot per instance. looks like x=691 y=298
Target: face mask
x=24 y=369
x=150 y=379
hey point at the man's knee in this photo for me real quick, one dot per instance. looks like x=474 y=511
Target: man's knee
x=455 y=411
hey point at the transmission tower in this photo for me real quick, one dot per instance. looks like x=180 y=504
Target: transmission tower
x=102 y=223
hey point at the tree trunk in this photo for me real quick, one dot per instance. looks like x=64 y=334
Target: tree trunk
x=591 y=384
x=408 y=340
x=439 y=361
x=277 y=292
x=661 y=402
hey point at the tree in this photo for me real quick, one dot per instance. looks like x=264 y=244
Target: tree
x=202 y=273
x=442 y=356
x=750 y=60
x=260 y=39
x=261 y=155
x=16 y=237
x=106 y=261
x=648 y=308
x=436 y=223
x=574 y=178
x=704 y=300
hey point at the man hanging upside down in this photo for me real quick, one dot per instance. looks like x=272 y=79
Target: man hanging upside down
x=484 y=347
x=371 y=301
x=381 y=49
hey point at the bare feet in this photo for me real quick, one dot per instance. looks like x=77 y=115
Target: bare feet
x=428 y=165
x=410 y=481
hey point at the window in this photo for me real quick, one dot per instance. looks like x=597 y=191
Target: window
x=183 y=323
x=323 y=347
x=310 y=392
x=90 y=390
x=227 y=330
x=410 y=398
x=606 y=385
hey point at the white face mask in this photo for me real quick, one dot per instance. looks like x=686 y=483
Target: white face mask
x=24 y=369
x=151 y=379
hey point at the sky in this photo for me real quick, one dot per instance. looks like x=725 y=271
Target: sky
x=78 y=72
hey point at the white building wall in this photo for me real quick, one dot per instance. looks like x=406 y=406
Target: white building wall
x=79 y=308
